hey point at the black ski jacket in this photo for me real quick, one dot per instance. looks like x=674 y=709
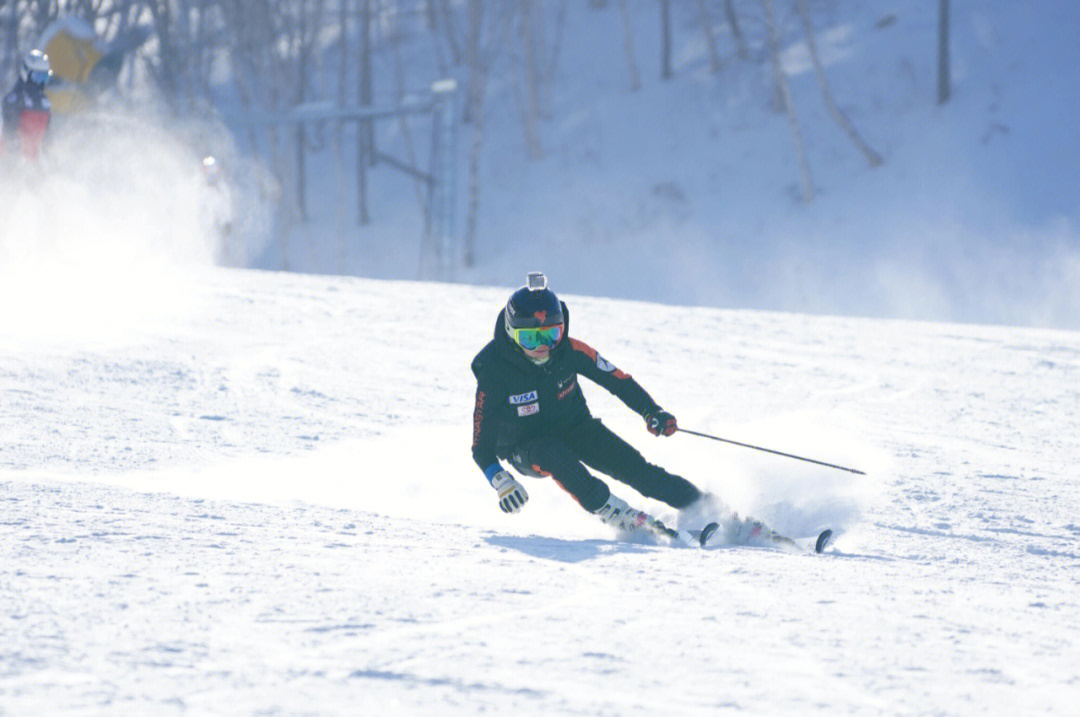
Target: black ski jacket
x=517 y=400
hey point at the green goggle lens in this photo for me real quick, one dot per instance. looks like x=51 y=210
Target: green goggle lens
x=535 y=338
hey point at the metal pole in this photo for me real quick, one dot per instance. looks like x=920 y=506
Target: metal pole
x=769 y=450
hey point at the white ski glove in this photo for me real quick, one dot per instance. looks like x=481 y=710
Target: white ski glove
x=511 y=495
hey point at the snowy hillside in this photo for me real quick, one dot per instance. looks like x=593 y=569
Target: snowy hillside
x=685 y=191
x=242 y=492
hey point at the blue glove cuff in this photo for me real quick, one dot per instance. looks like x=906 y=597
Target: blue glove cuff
x=491 y=470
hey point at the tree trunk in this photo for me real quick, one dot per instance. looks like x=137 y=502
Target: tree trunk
x=785 y=95
x=301 y=93
x=366 y=84
x=733 y=21
x=448 y=27
x=710 y=37
x=665 y=39
x=339 y=135
x=532 y=93
x=472 y=57
x=403 y=120
x=475 y=153
x=11 y=31
x=872 y=157
x=943 y=82
x=552 y=62
x=475 y=110
x=628 y=36
x=363 y=94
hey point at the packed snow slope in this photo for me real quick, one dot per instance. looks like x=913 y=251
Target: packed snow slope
x=247 y=492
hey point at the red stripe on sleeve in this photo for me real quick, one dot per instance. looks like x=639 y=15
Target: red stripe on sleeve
x=584 y=348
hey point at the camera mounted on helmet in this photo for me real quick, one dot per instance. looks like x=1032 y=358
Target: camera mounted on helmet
x=534 y=317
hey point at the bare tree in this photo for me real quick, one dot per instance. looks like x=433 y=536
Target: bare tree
x=628 y=43
x=710 y=36
x=665 y=39
x=537 y=64
x=785 y=96
x=400 y=80
x=488 y=28
x=872 y=157
x=339 y=130
x=943 y=84
x=276 y=50
x=475 y=111
x=365 y=133
x=532 y=73
x=736 y=31
x=443 y=13
x=551 y=60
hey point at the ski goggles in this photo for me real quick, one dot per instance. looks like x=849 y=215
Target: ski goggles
x=534 y=338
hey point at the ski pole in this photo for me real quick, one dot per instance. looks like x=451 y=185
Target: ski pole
x=769 y=450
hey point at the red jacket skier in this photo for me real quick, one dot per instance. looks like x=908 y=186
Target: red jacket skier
x=26 y=110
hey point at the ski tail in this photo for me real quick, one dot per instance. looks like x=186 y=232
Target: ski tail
x=705 y=533
x=824 y=540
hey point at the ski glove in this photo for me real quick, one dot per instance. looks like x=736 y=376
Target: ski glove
x=661 y=423
x=511 y=495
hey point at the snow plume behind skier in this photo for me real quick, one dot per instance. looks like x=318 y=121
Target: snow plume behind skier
x=98 y=235
x=530 y=412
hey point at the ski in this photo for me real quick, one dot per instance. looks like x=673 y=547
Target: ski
x=705 y=533
x=823 y=541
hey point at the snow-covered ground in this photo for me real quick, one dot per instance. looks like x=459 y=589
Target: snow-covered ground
x=230 y=491
x=242 y=492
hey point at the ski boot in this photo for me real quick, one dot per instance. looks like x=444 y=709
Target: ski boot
x=625 y=519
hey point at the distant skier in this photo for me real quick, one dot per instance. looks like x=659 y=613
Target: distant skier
x=531 y=411
x=26 y=108
x=215 y=208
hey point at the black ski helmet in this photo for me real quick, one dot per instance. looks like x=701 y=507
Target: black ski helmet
x=533 y=305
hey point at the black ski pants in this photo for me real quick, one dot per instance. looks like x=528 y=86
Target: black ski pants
x=591 y=443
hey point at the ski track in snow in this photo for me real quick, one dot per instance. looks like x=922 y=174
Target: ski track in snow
x=260 y=499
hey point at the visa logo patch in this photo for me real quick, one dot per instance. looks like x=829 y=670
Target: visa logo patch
x=523 y=398
x=528 y=409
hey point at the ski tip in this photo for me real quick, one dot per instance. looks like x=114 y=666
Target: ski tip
x=707 y=532
x=823 y=540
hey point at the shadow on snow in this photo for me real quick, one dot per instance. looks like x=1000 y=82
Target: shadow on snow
x=565 y=551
